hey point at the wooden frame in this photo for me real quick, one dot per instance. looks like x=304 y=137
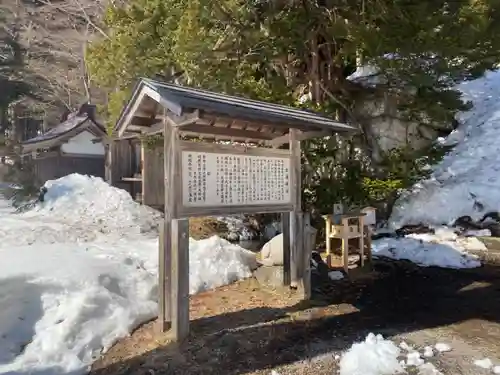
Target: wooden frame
x=174 y=242
x=347 y=227
x=233 y=209
x=180 y=111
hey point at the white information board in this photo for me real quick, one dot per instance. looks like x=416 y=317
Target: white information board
x=213 y=179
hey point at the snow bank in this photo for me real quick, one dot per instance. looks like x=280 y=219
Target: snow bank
x=467 y=181
x=80 y=271
x=442 y=249
x=62 y=305
x=80 y=208
x=374 y=356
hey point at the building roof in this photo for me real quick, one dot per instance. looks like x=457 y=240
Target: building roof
x=181 y=100
x=75 y=124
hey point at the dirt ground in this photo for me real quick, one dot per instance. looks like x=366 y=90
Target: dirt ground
x=244 y=329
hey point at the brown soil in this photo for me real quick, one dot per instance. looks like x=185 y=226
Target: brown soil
x=205 y=227
x=243 y=329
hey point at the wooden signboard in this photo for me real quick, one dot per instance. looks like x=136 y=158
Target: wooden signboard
x=216 y=179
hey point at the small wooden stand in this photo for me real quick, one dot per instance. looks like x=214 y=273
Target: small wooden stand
x=350 y=226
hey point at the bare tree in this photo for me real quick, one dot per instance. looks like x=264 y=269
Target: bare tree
x=55 y=34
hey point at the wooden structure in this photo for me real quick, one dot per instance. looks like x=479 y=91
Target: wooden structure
x=68 y=148
x=138 y=168
x=209 y=178
x=348 y=226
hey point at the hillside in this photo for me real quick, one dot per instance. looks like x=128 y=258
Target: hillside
x=54 y=34
x=467 y=181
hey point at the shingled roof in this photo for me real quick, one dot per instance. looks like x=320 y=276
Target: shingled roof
x=250 y=116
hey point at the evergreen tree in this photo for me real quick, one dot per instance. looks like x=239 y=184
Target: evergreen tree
x=278 y=50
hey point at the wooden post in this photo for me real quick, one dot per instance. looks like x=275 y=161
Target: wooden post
x=180 y=279
x=328 y=229
x=297 y=248
x=369 y=243
x=306 y=274
x=143 y=182
x=285 y=226
x=164 y=279
x=296 y=227
x=345 y=244
x=362 y=240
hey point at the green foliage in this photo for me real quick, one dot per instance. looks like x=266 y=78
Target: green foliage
x=356 y=184
x=153 y=142
x=278 y=50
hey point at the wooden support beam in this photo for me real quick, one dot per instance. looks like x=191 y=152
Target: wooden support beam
x=185 y=119
x=285 y=225
x=296 y=248
x=144 y=121
x=165 y=255
x=175 y=258
x=154 y=129
x=226 y=132
x=164 y=282
x=296 y=227
x=284 y=139
x=179 y=297
x=182 y=121
x=308 y=246
x=130 y=114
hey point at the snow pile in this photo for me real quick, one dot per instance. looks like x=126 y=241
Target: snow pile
x=442 y=249
x=214 y=262
x=487 y=364
x=80 y=208
x=378 y=356
x=90 y=200
x=467 y=181
x=68 y=294
x=374 y=356
x=64 y=304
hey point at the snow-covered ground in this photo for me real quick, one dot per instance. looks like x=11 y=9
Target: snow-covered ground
x=442 y=249
x=80 y=271
x=467 y=181
x=379 y=356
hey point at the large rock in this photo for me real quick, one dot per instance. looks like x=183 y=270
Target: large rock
x=272 y=251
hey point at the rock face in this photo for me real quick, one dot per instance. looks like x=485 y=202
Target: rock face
x=272 y=251
x=390 y=131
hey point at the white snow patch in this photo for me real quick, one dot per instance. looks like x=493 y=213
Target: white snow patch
x=366 y=74
x=478 y=233
x=66 y=298
x=374 y=356
x=496 y=369
x=335 y=275
x=414 y=359
x=404 y=345
x=428 y=369
x=484 y=363
x=443 y=249
x=428 y=352
x=80 y=208
x=469 y=174
x=442 y=347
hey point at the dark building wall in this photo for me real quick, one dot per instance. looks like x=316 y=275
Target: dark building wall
x=54 y=167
